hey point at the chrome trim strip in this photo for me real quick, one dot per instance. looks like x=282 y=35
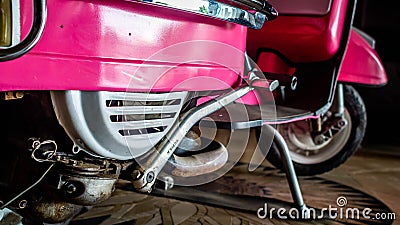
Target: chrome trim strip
x=16 y=20
x=38 y=25
x=371 y=41
x=16 y=24
x=216 y=10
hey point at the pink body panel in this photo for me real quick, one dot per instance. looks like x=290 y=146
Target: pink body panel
x=361 y=63
x=306 y=7
x=272 y=63
x=301 y=38
x=119 y=45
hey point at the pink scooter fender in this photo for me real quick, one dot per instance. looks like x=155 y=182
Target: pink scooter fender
x=361 y=63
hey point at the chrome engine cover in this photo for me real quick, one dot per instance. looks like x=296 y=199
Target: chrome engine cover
x=116 y=125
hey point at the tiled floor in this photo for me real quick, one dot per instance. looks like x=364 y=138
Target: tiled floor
x=370 y=179
x=373 y=173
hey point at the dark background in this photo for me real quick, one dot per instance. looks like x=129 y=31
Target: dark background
x=381 y=20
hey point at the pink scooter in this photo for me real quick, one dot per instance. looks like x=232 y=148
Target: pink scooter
x=96 y=91
x=313 y=45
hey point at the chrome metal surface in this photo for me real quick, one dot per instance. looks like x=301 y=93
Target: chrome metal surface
x=284 y=79
x=371 y=41
x=218 y=10
x=338 y=104
x=288 y=164
x=38 y=24
x=145 y=175
x=269 y=85
x=258 y=80
x=16 y=24
x=249 y=64
x=247 y=116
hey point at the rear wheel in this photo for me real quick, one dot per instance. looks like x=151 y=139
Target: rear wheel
x=312 y=157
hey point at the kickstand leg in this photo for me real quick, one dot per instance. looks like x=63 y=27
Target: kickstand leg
x=289 y=169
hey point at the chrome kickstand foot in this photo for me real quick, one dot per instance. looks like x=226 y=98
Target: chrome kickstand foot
x=289 y=169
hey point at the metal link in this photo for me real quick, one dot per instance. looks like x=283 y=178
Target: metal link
x=47 y=155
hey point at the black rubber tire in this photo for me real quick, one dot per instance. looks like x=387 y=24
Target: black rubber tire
x=356 y=108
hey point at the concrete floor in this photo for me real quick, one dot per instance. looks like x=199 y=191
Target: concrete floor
x=371 y=178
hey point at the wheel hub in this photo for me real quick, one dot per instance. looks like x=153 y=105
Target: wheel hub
x=308 y=147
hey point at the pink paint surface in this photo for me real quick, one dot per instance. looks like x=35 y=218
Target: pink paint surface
x=361 y=63
x=302 y=38
x=119 y=45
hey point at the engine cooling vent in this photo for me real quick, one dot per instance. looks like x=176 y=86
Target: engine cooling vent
x=116 y=124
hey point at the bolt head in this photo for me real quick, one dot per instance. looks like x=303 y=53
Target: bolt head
x=150 y=177
x=71 y=188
